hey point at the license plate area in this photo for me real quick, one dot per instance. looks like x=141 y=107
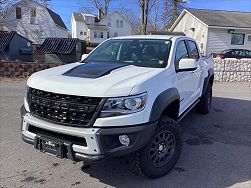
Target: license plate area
x=49 y=146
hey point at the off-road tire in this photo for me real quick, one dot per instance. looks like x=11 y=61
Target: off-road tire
x=205 y=103
x=142 y=161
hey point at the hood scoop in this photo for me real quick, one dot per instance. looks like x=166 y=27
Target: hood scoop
x=93 y=70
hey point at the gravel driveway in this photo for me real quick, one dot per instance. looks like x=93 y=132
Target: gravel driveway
x=217 y=149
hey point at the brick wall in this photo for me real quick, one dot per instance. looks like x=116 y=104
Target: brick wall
x=22 y=69
x=226 y=70
x=232 y=70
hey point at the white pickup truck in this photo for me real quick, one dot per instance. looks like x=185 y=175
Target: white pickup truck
x=126 y=97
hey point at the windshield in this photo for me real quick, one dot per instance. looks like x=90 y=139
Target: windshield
x=139 y=52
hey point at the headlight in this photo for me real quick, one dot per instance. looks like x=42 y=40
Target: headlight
x=124 y=105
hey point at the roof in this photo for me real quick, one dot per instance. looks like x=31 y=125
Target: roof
x=6 y=37
x=78 y=16
x=57 y=19
x=58 y=45
x=223 y=18
x=90 y=15
x=96 y=26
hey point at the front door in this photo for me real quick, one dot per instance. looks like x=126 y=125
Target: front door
x=196 y=74
x=184 y=82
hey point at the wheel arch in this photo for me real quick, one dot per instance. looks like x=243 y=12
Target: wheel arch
x=208 y=80
x=167 y=103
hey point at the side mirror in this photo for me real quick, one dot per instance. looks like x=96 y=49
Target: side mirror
x=187 y=64
x=83 y=57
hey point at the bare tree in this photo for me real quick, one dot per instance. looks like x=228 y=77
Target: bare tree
x=86 y=9
x=175 y=8
x=154 y=16
x=165 y=15
x=145 y=7
x=169 y=12
x=103 y=5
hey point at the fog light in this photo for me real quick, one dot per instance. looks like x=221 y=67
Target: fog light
x=124 y=140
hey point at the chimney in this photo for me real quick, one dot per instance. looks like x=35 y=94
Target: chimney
x=99 y=13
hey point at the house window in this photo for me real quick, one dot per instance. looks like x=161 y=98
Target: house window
x=101 y=35
x=95 y=34
x=117 y=23
x=249 y=37
x=115 y=34
x=84 y=33
x=109 y=22
x=33 y=12
x=108 y=34
x=18 y=13
x=237 y=39
x=121 y=24
x=81 y=33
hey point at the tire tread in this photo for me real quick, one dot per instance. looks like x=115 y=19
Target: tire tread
x=136 y=158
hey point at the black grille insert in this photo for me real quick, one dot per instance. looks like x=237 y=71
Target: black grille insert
x=63 y=109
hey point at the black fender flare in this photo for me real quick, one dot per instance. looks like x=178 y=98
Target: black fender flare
x=206 y=80
x=163 y=100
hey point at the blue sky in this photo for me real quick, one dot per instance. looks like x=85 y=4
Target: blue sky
x=65 y=7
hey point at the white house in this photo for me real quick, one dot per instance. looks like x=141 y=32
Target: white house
x=216 y=30
x=34 y=21
x=95 y=29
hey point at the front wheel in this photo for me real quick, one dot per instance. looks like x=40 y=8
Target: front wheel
x=160 y=155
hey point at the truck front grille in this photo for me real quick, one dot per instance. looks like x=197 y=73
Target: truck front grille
x=63 y=109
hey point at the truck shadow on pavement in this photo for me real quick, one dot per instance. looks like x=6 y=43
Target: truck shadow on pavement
x=216 y=152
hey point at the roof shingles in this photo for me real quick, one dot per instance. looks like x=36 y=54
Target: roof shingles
x=57 y=19
x=78 y=16
x=223 y=18
x=58 y=45
x=5 y=39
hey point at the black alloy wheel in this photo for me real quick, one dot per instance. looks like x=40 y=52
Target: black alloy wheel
x=162 y=148
x=162 y=152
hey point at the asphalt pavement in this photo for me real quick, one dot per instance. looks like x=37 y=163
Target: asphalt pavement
x=216 y=151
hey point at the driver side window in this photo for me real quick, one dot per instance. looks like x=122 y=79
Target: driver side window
x=181 y=53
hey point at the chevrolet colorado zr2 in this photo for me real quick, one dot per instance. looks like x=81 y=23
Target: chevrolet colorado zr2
x=124 y=98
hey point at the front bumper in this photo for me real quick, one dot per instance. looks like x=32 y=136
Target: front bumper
x=98 y=144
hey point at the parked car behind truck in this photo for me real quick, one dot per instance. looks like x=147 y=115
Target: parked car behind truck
x=126 y=97
x=233 y=53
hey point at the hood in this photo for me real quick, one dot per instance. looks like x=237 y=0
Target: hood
x=92 y=79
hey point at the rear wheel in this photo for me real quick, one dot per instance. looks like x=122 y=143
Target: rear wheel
x=160 y=155
x=205 y=103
